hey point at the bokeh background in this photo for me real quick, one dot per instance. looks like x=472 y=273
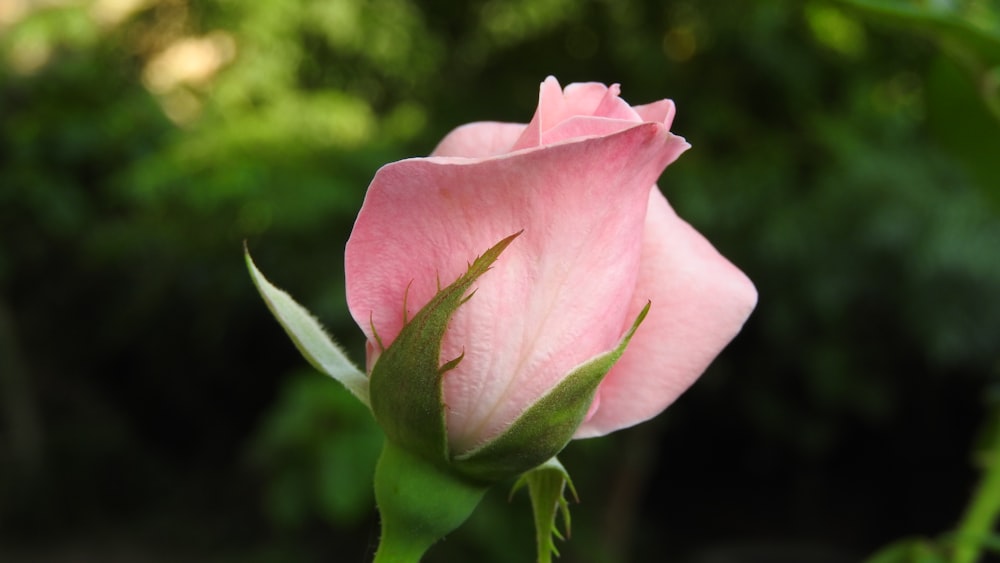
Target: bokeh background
x=846 y=156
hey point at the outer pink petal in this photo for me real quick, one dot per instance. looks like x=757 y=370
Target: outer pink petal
x=558 y=295
x=699 y=302
x=480 y=140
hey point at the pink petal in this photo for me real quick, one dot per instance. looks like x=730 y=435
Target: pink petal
x=699 y=302
x=549 y=112
x=556 y=106
x=662 y=111
x=613 y=107
x=559 y=295
x=584 y=126
x=480 y=140
x=583 y=98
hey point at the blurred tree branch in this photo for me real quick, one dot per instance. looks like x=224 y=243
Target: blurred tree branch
x=628 y=489
x=19 y=410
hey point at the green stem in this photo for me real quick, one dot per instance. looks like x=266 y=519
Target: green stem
x=981 y=516
x=419 y=502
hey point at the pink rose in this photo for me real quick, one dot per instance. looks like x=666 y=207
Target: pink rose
x=598 y=242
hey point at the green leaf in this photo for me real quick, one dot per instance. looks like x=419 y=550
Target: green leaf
x=964 y=112
x=962 y=123
x=309 y=336
x=991 y=543
x=406 y=380
x=544 y=429
x=546 y=485
x=943 y=21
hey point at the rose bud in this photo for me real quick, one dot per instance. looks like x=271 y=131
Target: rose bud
x=592 y=305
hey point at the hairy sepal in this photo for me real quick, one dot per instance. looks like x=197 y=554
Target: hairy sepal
x=544 y=429
x=308 y=335
x=406 y=393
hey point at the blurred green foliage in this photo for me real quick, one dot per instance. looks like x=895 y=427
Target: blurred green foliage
x=319 y=448
x=845 y=156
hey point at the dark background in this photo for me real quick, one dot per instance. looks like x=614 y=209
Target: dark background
x=846 y=156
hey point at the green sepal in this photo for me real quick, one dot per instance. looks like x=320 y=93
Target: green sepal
x=308 y=335
x=406 y=394
x=419 y=503
x=544 y=429
x=547 y=486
